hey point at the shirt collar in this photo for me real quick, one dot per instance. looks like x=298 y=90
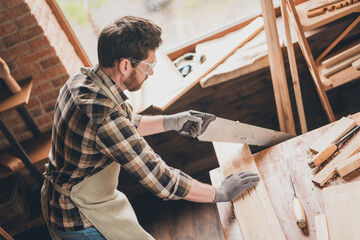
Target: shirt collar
x=109 y=83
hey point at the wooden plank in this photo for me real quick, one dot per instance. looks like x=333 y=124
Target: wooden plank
x=37 y=149
x=9 y=80
x=250 y=31
x=5 y=235
x=348 y=165
x=321 y=227
x=356 y=64
x=277 y=69
x=351 y=147
x=341 y=127
x=228 y=221
x=330 y=71
x=253 y=208
x=19 y=98
x=343 y=211
x=293 y=69
x=341 y=56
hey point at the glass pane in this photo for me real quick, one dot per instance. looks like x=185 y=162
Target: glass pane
x=181 y=20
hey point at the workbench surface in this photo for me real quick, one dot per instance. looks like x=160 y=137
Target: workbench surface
x=275 y=164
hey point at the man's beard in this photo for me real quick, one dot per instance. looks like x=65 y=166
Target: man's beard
x=133 y=83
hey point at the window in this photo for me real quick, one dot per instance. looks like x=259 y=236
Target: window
x=181 y=20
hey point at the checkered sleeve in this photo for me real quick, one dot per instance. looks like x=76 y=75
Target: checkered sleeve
x=118 y=139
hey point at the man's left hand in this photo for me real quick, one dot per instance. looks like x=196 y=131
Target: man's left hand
x=190 y=123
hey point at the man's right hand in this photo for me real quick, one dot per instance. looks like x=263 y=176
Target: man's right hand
x=234 y=185
x=189 y=123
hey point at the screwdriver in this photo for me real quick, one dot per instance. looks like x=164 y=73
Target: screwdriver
x=298 y=209
x=327 y=152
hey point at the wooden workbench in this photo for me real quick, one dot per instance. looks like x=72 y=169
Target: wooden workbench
x=290 y=157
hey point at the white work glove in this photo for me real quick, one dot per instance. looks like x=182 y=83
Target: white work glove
x=234 y=185
x=189 y=123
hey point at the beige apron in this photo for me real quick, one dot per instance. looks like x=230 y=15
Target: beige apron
x=100 y=202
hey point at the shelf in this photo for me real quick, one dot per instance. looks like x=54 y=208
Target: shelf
x=37 y=149
x=346 y=75
x=318 y=21
x=19 y=98
x=343 y=76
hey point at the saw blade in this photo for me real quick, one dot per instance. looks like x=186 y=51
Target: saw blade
x=224 y=130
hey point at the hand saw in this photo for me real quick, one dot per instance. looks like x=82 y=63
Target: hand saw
x=224 y=130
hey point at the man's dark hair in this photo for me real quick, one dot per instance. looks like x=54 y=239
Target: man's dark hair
x=128 y=37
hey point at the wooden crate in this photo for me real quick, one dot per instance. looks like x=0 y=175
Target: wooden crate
x=14 y=200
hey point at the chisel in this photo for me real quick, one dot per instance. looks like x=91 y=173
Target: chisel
x=327 y=152
x=299 y=212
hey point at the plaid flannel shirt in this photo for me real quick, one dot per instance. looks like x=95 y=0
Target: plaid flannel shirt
x=90 y=131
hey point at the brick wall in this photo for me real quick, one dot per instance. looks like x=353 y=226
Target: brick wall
x=34 y=45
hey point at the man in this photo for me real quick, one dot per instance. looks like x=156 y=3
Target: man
x=95 y=133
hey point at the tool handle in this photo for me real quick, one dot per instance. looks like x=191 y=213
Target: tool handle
x=299 y=213
x=323 y=155
x=206 y=117
x=315 y=13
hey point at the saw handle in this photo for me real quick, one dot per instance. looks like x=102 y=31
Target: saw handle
x=206 y=119
x=323 y=155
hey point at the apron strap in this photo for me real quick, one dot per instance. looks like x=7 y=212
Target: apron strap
x=90 y=73
x=49 y=177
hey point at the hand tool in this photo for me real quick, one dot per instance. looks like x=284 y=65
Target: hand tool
x=327 y=152
x=224 y=130
x=299 y=212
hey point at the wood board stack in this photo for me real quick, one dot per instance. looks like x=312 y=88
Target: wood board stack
x=252 y=208
x=348 y=158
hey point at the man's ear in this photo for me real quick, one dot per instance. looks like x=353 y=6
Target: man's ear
x=125 y=66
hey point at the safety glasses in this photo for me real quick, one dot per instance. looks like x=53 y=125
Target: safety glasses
x=145 y=67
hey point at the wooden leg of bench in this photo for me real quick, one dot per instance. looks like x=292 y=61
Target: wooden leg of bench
x=4 y=234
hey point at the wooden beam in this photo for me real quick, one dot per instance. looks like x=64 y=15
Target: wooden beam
x=253 y=209
x=338 y=130
x=4 y=234
x=343 y=210
x=281 y=91
x=321 y=227
x=350 y=148
x=348 y=165
x=69 y=33
x=18 y=99
x=293 y=69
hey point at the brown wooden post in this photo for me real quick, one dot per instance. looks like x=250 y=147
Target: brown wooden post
x=282 y=98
